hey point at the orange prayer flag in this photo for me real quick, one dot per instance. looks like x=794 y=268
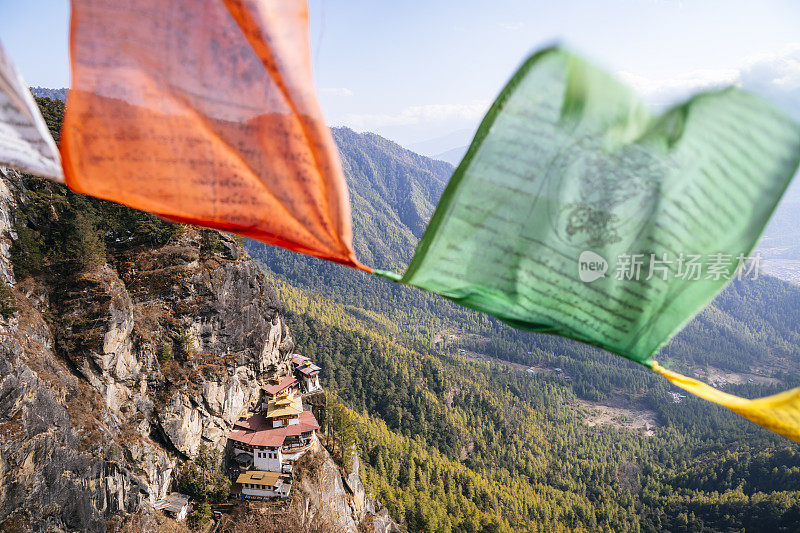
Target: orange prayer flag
x=204 y=112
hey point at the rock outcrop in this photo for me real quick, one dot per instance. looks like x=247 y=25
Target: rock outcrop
x=324 y=491
x=112 y=374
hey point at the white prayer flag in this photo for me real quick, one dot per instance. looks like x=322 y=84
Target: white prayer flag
x=25 y=142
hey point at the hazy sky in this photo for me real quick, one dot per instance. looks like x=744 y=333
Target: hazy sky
x=416 y=70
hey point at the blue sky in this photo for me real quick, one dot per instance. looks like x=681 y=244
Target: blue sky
x=419 y=70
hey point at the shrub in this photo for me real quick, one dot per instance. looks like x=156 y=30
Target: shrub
x=164 y=353
x=341 y=431
x=203 y=479
x=210 y=241
x=85 y=243
x=7 y=305
x=26 y=251
x=203 y=514
x=187 y=344
x=149 y=229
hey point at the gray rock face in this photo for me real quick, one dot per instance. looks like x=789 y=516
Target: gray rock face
x=354 y=485
x=91 y=423
x=7 y=233
x=324 y=492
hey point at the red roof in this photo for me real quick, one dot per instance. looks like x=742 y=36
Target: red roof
x=307 y=423
x=255 y=432
x=269 y=438
x=254 y=423
x=299 y=359
x=285 y=383
x=309 y=370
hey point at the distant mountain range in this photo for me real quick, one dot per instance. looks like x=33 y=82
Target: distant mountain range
x=450 y=148
x=443 y=143
x=53 y=94
x=393 y=192
x=780 y=245
x=452 y=156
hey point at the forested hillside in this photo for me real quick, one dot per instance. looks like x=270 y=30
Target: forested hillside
x=751 y=327
x=453 y=442
x=393 y=192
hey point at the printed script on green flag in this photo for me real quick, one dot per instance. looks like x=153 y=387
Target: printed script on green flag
x=578 y=213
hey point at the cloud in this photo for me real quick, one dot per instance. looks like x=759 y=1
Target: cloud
x=774 y=76
x=413 y=115
x=336 y=91
x=781 y=70
x=667 y=89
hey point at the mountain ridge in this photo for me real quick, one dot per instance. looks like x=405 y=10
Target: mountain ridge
x=378 y=244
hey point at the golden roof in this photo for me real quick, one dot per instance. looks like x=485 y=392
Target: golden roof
x=287 y=403
x=259 y=477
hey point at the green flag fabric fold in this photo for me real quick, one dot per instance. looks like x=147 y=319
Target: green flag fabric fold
x=576 y=212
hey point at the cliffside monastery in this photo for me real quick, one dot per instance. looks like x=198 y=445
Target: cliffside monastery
x=269 y=437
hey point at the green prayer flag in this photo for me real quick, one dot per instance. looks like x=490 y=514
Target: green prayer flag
x=576 y=212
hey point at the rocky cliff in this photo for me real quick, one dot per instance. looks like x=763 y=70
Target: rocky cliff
x=125 y=344
x=325 y=492
x=326 y=498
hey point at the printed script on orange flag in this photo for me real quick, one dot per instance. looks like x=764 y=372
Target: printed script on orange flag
x=204 y=112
